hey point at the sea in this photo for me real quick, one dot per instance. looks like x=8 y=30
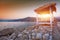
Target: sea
x=4 y=25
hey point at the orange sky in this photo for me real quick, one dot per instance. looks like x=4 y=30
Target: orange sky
x=13 y=11
x=21 y=10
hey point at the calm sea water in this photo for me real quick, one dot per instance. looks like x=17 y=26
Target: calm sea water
x=4 y=25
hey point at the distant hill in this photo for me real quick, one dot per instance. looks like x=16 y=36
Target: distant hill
x=27 y=19
x=58 y=19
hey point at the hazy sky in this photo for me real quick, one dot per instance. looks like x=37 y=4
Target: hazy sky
x=23 y=8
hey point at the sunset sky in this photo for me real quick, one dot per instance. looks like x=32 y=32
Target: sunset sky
x=23 y=8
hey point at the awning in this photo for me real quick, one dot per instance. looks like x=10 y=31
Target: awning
x=46 y=9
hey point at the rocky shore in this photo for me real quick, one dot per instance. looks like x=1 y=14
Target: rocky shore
x=31 y=33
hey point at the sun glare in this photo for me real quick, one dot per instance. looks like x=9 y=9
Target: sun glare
x=44 y=17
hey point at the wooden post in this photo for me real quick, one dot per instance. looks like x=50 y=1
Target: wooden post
x=51 y=21
x=51 y=18
x=36 y=19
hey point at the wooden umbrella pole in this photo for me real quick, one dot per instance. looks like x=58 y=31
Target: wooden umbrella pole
x=51 y=20
x=36 y=19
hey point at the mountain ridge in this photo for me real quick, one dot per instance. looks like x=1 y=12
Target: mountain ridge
x=27 y=19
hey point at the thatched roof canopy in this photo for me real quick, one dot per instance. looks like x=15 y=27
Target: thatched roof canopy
x=45 y=9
